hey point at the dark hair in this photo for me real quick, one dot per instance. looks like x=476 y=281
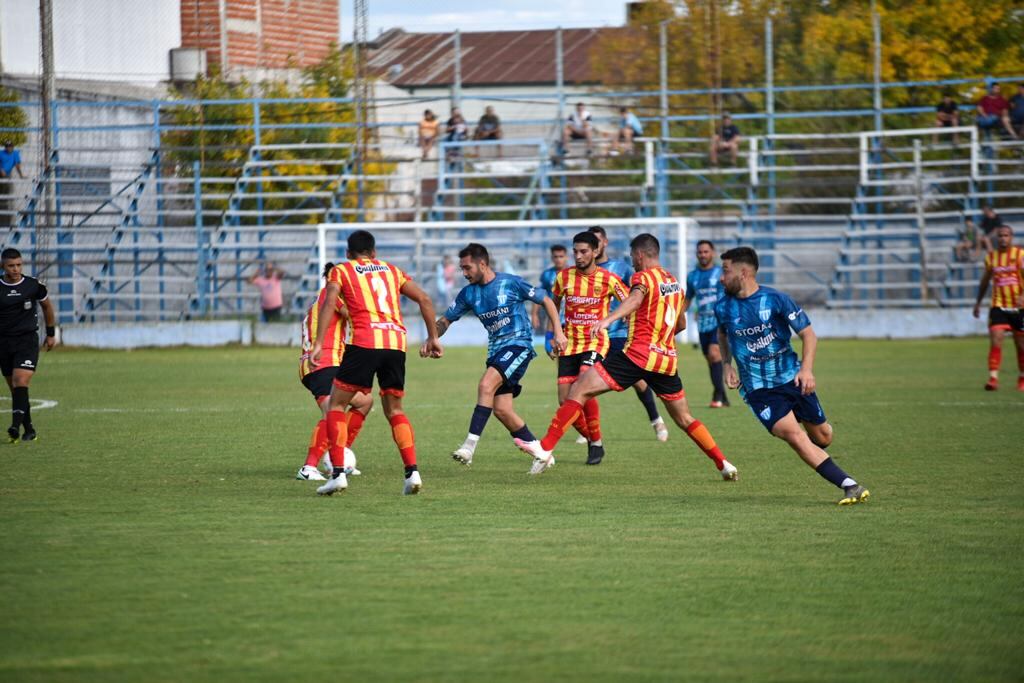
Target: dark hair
x=646 y=243
x=586 y=237
x=328 y=267
x=598 y=230
x=361 y=242
x=558 y=247
x=707 y=242
x=477 y=252
x=9 y=253
x=742 y=255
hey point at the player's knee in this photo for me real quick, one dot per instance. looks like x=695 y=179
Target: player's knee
x=821 y=435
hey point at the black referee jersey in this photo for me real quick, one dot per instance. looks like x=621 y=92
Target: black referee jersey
x=19 y=313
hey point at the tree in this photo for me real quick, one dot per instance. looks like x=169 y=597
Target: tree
x=13 y=119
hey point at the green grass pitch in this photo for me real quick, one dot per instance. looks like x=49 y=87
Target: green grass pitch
x=155 y=533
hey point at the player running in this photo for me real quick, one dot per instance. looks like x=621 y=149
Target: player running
x=370 y=290
x=319 y=377
x=499 y=302
x=704 y=285
x=754 y=327
x=1004 y=268
x=19 y=338
x=618 y=333
x=654 y=309
x=559 y=260
x=587 y=292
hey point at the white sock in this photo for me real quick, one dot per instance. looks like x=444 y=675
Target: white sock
x=596 y=443
x=847 y=483
x=659 y=421
x=994 y=374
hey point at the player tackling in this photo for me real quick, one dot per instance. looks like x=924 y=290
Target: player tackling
x=1004 y=268
x=754 y=327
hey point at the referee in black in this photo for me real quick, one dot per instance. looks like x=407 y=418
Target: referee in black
x=19 y=338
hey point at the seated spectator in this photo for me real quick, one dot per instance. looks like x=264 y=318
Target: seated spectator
x=969 y=244
x=428 y=132
x=990 y=220
x=488 y=127
x=726 y=139
x=629 y=128
x=579 y=126
x=455 y=130
x=947 y=115
x=993 y=110
x=10 y=161
x=1017 y=111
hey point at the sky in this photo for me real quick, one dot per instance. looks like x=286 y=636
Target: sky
x=475 y=15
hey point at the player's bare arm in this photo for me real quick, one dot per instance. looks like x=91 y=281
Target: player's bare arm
x=628 y=308
x=729 y=374
x=432 y=346
x=557 y=301
x=986 y=277
x=805 y=378
x=559 y=341
x=323 y=320
x=51 y=323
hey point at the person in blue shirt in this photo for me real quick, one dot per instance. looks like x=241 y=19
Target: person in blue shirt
x=10 y=161
x=559 y=262
x=619 y=331
x=629 y=128
x=499 y=302
x=704 y=285
x=755 y=326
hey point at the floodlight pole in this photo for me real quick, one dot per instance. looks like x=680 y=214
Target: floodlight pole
x=559 y=78
x=457 y=86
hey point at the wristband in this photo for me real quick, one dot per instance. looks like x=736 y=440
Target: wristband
x=51 y=331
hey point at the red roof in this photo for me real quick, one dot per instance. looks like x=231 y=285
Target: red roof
x=488 y=57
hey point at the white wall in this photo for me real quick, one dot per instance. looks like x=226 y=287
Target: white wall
x=110 y=40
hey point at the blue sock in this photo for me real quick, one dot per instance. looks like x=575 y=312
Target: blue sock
x=524 y=434
x=647 y=398
x=479 y=420
x=834 y=473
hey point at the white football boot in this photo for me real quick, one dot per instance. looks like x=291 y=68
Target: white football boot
x=729 y=472
x=463 y=454
x=542 y=459
x=334 y=485
x=309 y=473
x=581 y=440
x=660 y=430
x=413 y=484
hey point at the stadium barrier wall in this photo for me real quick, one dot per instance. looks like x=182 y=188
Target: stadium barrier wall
x=834 y=324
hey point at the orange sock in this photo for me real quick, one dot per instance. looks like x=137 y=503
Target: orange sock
x=581 y=426
x=355 y=423
x=317 y=443
x=401 y=432
x=702 y=437
x=593 y=414
x=565 y=416
x=337 y=435
x=995 y=357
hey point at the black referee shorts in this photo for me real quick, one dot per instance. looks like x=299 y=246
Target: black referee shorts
x=19 y=352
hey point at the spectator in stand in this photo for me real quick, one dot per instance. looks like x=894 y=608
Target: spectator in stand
x=990 y=220
x=428 y=132
x=629 y=128
x=455 y=130
x=726 y=139
x=984 y=242
x=968 y=246
x=488 y=127
x=1017 y=111
x=446 y=270
x=268 y=280
x=579 y=126
x=993 y=110
x=947 y=115
x=10 y=161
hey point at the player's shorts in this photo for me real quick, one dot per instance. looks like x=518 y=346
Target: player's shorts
x=621 y=373
x=511 y=362
x=319 y=382
x=707 y=339
x=360 y=365
x=1006 y=319
x=19 y=352
x=771 y=405
x=571 y=367
x=616 y=344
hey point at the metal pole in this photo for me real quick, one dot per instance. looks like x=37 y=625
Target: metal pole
x=457 y=88
x=922 y=240
x=663 y=75
x=876 y=24
x=769 y=76
x=559 y=79
x=197 y=201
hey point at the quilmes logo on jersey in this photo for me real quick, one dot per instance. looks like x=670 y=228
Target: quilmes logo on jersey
x=364 y=268
x=766 y=413
x=666 y=288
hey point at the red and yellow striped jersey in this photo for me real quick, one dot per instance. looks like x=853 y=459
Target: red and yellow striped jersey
x=371 y=290
x=652 y=329
x=334 y=340
x=587 y=300
x=1007 y=268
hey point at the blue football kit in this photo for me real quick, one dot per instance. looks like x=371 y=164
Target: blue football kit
x=704 y=288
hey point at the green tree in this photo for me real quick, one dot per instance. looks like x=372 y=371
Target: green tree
x=13 y=119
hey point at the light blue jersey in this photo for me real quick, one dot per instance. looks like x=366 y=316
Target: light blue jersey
x=759 y=332
x=547 y=283
x=620 y=328
x=704 y=287
x=500 y=307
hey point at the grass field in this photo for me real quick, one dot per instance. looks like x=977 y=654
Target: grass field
x=154 y=533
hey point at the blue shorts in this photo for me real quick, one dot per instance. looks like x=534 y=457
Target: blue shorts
x=616 y=344
x=707 y=339
x=771 y=405
x=511 y=362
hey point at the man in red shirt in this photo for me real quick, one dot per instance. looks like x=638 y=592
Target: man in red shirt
x=993 y=109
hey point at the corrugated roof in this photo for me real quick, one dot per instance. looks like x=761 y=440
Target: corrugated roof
x=488 y=57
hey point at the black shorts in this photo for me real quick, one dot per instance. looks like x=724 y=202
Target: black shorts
x=360 y=365
x=571 y=367
x=20 y=352
x=1006 y=319
x=319 y=382
x=616 y=344
x=575 y=134
x=621 y=373
x=771 y=405
x=707 y=339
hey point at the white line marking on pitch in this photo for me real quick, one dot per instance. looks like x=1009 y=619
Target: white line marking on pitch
x=36 y=403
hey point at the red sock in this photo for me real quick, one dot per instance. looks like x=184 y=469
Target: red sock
x=593 y=414
x=566 y=415
x=401 y=432
x=1020 y=360
x=317 y=443
x=702 y=437
x=581 y=426
x=337 y=434
x=995 y=357
x=355 y=423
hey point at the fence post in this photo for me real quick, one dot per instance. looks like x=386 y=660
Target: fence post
x=197 y=200
x=922 y=238
x=663 y=74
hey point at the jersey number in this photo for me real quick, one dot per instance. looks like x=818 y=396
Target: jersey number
x=670 y=316
x=380 y=290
